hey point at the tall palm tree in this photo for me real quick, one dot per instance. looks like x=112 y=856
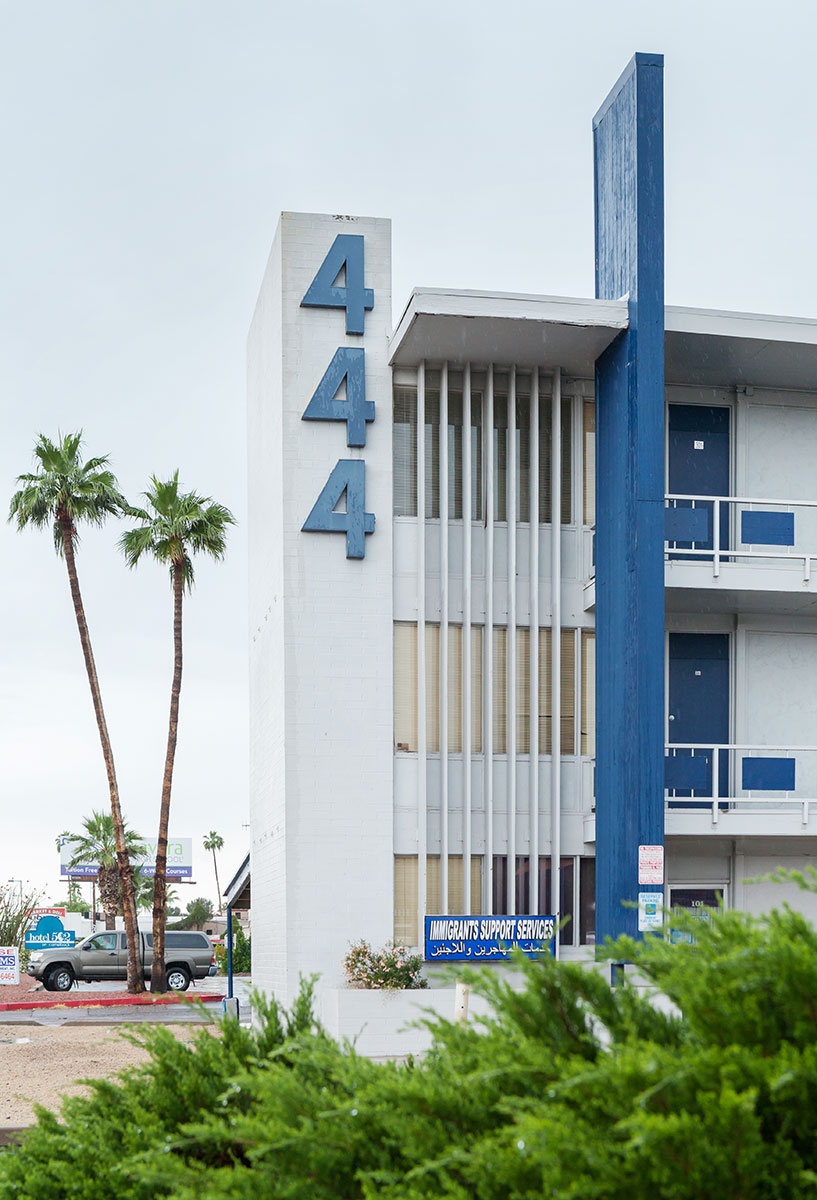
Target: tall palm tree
x=214 y=841
x=97 y=844
x=64 y=492
x=175 y=526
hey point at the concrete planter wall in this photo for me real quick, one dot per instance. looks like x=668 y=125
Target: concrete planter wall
x=382 y=1023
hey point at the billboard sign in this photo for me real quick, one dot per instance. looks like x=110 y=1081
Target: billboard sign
x=487 y=939
x=9 y=965
x=179 y=860
x=48 y=934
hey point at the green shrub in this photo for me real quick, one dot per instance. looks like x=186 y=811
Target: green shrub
x=242 y=954
x=570 y=1090
x=392 y=967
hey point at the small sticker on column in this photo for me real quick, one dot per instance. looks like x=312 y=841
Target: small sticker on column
x=696 y=445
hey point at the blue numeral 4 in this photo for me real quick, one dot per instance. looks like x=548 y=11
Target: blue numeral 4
x=355 y=409
x=349 y=476
x=345 y=252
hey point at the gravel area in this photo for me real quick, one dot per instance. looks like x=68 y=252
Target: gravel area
x=42 y=1064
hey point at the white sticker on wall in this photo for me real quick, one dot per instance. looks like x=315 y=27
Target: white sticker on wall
x=696 y=445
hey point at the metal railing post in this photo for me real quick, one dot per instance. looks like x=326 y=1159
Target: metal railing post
x=715 y=765
x=716 y=538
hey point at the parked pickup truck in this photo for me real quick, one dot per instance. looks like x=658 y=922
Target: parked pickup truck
x=188 y=955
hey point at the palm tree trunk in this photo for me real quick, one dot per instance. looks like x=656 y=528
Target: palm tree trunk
x=135 y=981
x=215 y=868
x=158 y=973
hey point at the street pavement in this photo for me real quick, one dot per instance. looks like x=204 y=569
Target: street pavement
x=123 y=1014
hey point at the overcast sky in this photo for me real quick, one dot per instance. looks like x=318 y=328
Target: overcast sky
x=147 y=150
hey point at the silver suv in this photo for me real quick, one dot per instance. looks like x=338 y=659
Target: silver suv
x=188 y=955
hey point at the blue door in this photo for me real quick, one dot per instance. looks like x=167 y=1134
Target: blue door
x=699 y=462
x=698 y=710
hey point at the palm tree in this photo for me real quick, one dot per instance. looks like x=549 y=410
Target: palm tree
x=65 y=492
x=175 y=526
x=97 y=844
x=214 y=841
x=144 y=892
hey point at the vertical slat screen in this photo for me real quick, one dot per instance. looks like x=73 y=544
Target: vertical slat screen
x=405 y=900
x=500 y=690
x=588 y=745
x=476 y=689
x=404 y=445
x=589 y=460
x=432 y=444
x=455 y=689
x=432 y=633
x=522 y=692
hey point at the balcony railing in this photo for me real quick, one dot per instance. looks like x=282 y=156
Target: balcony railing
x=728 y=528
x=700 y=775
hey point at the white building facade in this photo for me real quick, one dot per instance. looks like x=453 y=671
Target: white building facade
x=424 y=683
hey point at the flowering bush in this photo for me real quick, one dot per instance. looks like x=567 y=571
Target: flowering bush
x=391 y=967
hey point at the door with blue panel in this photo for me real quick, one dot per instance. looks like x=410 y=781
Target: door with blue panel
x=698 y=466
x=698 y=712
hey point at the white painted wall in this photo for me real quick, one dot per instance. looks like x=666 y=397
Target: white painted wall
x=320 y=627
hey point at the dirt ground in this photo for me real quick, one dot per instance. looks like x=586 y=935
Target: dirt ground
x=42 y=1064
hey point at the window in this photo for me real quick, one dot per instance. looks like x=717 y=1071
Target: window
x=588 y=745
x=477 y=395
x=566 y=881
x=523 y=691
x=405 y=900
x=405 y=686
x=432 y=444
x=455 y=445
x=185 y=941
x=456 y=892
x=567 y=657
x=476 y=689
x=499 y=901
x=404 y=449
x=455 y=689
x=523 y=448
x=587 y=901
x=500 y=432
x=432 y=688
x=589 y=460
x=500 y=705
x=545 y=446
x=102 y=941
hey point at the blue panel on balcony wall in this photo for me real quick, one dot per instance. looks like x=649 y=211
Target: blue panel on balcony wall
x=768 y=774
x=687 y=524
x=685 y=773
x=767 y=529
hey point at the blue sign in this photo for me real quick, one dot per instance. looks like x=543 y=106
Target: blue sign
x=487 y=939
x=49 y=934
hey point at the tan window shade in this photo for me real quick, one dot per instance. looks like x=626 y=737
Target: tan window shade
x=455 y=689
x=589 y=460
x=588 y=745
x=431 y=442
x=567 y=676
x=476 y=689
x=545 y=445
x=568 y=680
x=455 y=445
x=523 y=448
x=405 y=686
x=432 y=688
x=500 y=688
x=404 y=450
x=405 y=900
x=523 y=691
x=456 y=893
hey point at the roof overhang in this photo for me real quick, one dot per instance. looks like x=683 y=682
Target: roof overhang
x=237 y=891
x=440 y=325
x=702 y=346
x=728 y=349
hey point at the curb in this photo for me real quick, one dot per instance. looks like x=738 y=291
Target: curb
x=103 y=1002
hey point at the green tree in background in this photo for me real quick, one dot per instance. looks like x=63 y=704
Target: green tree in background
x=97 y=844
x=63 y=493
x=214 y=841
x=175 y=526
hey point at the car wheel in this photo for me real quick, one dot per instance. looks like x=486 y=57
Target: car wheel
x=59 y=979
x=178 y=979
